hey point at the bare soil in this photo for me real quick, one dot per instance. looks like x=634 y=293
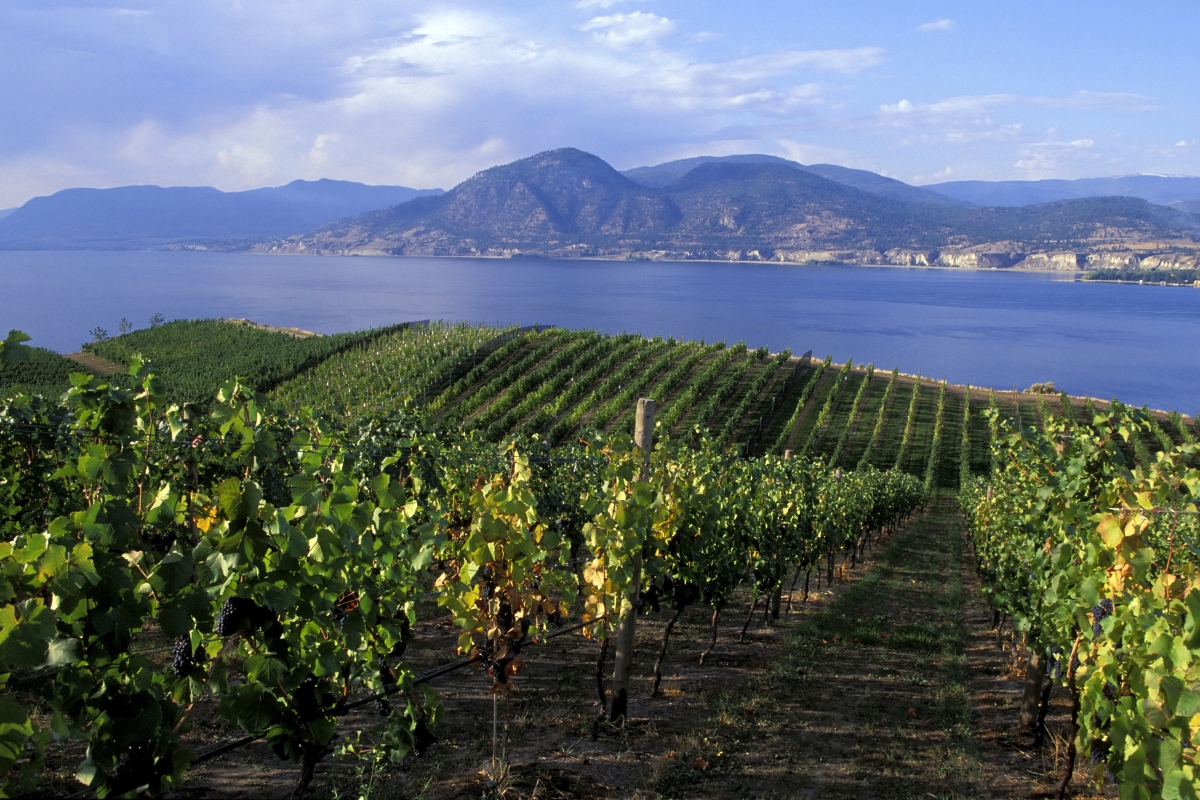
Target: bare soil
x=888 y=685
x=95 y=364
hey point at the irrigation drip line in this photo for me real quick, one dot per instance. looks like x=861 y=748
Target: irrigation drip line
x=1153 y=511
x=424 y=677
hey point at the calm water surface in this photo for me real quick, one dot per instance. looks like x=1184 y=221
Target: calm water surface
x=1139 y=343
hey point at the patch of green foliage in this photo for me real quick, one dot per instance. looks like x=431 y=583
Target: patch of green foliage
x=194 y=357
x=43 y=372
x=1172 y=277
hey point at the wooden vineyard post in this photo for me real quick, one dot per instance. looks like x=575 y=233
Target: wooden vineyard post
x=776 y=600
x=643 y=436
x=1035 y=675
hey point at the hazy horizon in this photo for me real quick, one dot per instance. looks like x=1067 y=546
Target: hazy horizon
x=425 y=94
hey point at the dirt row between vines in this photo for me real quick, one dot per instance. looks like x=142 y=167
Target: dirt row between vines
x=889 y=686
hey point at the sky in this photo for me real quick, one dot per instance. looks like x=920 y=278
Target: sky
x=255 y=93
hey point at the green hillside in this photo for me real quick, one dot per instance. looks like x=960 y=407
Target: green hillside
x=194 y=357
x=44 y=372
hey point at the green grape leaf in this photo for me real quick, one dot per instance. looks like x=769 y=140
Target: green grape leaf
x=25 y=632
x=62 y=652
x=15 y=731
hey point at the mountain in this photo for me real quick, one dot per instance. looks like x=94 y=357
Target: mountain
x=570 y=203
x=1159 y=189
x=138 y=217
x=1190 y=206
x=4 y=212
x=661 y=175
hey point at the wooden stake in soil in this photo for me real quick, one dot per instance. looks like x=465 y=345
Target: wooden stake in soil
x=662 y=651
x=749 y=616
x=1035 y=675
x=795 y=580
x=1060 y=791
x=1039 y=734
x=643 y=437
x=713 y=642
x=600 y=688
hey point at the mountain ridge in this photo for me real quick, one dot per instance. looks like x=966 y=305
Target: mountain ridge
x=567 y=202
x=659 y=176
x=1157 y=189
x=147 y=216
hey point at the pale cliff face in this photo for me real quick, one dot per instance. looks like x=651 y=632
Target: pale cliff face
x=1053 y=261
x=1171 y=261
x=1112 y=261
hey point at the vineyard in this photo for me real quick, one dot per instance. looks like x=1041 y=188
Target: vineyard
x=194 y=356
x=44 y=372
x=452 y=545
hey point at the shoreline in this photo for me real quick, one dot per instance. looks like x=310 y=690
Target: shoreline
x=1068 y=275
x=614 y=260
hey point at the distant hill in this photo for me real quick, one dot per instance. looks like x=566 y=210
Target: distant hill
x=4 y=212
x=661 y=175
x=570 y=203
x=139 y=217
x=1159 y=189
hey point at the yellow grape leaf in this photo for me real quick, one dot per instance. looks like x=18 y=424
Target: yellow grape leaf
x=208 y=518
x=1110 y=531
x=593 y=573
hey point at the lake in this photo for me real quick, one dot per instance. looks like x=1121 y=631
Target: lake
x=992 y=328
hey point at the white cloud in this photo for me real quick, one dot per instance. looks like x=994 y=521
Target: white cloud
x=427 y=92
x=623 y=30
x=452 y=92
x=603 y=3
x=937 y=25
x=982 y=104
x=934 y=177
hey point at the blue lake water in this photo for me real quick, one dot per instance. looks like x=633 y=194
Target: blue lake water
x=1138 y=343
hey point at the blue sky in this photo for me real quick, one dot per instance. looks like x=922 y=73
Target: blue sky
x=260 y=92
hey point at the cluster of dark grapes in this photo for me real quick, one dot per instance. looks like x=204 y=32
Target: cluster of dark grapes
x=650 y=597
x=497 y=665
x=388 y=678
x=1101 y=613
x=680 y=593
x=1100 y=750
x=684 y=593
x=135 y=768
x=307 y=700
x=423 y=738
x=1056 y=657
x=345 y=604
x=184 y=659
x=405 y=634
x=243 y=615
x=506 y=618
x=159 y=542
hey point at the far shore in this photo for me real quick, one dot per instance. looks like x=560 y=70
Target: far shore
x=623 y=260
